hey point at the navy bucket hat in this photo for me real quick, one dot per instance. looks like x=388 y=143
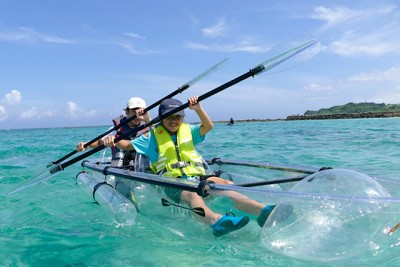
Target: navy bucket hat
x=170 y=104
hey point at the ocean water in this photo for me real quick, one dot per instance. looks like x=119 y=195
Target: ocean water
x=55 y=223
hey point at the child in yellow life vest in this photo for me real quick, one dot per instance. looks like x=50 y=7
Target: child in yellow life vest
x=171 y=150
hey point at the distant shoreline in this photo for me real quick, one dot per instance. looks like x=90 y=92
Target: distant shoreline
x=362 y=115
x=249 y=120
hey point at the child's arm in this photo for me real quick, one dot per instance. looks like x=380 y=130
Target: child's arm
x=122 y=144
x=206 y=123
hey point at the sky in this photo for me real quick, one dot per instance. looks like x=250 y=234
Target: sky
x=76 y=63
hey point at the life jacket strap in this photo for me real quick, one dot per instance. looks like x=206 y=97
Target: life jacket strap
x=182 y=164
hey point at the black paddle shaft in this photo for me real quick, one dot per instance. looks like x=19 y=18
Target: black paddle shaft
x=277 y=181
x=250 y=73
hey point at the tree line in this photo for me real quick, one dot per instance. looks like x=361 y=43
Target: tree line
x=351 y=107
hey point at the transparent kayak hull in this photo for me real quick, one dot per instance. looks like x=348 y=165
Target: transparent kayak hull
x=338 y=216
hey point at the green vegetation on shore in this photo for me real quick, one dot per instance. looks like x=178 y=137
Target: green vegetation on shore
x=347 y=111
x=356 y=108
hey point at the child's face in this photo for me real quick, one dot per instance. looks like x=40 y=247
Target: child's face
x=129 y=113
x=172 y=123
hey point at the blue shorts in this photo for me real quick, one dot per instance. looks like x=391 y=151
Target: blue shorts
x=175 y=194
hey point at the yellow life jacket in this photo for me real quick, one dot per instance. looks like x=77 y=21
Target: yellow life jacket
x=175 y=161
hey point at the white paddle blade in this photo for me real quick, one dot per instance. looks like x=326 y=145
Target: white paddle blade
x=33 y=181
x=299 y=54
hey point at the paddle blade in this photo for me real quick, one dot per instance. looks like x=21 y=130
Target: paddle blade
x=207 y=72
x=199 y=211
x=297 y=55
x=33 y=181
x=165 y=202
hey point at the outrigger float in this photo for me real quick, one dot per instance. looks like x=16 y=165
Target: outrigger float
x=339 y=216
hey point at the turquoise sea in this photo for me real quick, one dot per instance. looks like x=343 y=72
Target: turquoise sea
x=56 y=224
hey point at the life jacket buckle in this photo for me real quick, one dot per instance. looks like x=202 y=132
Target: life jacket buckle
x=180 y=164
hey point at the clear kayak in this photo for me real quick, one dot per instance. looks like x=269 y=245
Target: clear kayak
x=339 y=216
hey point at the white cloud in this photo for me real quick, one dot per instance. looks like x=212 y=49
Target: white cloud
x=87 y=27
x=393 y=98
x=216 y=30
x=193 y=19
x=334 y=16
x=130 y=47
x=33 y=112
x=133 y=49
x=374 y=31
x=241 y=47
x=3 y=113
x=29 y=35
x=314 y=87
x=352 y=44
x=224 y=40
x=193 y=45
x=73 y=109
x=30 y=113
x=75 y=112
x=382 y=86
x=134 y=35
x=392 y=74
x=379 y=86
x=343 y=15
x=12 y=98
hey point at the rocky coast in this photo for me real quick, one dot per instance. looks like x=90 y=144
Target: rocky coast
x=385 y=114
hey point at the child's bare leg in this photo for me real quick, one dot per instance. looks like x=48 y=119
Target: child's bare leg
x=195 y=201
x=221 y=225
x=241 y=201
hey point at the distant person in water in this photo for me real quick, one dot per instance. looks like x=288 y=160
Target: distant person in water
x=231 y=122
x=170 y=147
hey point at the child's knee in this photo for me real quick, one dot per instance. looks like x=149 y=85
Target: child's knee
x=219 y=180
